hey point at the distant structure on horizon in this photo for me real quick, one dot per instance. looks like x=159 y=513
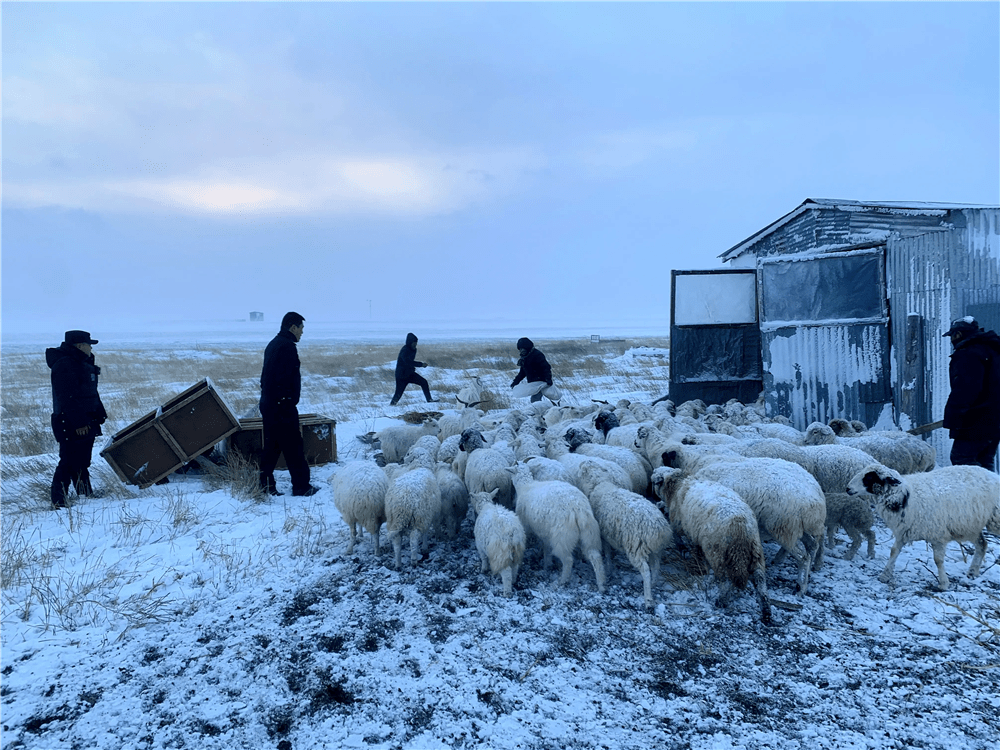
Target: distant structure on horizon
x=256 y=317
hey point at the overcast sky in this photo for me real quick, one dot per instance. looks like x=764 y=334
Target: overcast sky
x=412 y=162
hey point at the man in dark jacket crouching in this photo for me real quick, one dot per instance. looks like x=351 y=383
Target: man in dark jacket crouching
x=77 y=412
x=280 y=387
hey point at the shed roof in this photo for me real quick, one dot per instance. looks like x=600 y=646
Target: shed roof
x=907 y=207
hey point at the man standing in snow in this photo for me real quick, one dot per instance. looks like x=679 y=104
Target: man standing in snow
x=280 y=387
x=972 y=413
x=534 y=367
x=406 y=372
x=77 y=412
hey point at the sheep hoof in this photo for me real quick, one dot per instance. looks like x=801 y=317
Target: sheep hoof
x=885 y=577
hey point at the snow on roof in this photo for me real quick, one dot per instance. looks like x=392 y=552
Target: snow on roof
x=912 y=208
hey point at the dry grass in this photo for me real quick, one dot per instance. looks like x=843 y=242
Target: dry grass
x=336 y=377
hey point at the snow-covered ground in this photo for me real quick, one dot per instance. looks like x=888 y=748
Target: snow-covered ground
x=182 y=616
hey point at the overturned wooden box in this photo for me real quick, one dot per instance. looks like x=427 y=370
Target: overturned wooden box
x=161 y=442
x=319 y=439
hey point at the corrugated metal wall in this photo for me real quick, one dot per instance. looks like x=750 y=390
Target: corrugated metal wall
x=938 y=276
x=816 y=373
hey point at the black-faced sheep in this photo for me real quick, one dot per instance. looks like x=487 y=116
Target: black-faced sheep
x=954 y=503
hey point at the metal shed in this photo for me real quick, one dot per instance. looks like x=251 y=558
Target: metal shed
x=837 y=309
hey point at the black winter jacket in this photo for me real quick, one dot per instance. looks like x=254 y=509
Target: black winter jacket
x=281 y=377
x=973 y=408
x=406 y=362
x=534 y=367
x=75 y=401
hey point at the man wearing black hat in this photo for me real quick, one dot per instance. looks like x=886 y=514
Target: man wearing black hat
x=77 y=412
x=972 y=413
x=534 y=367
x=280 y=388
x=406 y=372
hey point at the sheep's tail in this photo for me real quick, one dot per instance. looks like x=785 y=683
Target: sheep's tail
x=742 y=554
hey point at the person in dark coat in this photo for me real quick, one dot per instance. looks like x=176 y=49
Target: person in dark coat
x=972 y=413
x=77 y=412
x=280 y=387
x=534 y=367
x=406 y=371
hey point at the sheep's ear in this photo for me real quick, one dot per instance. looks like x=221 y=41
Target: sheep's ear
x=891 y=480
x=493 y=494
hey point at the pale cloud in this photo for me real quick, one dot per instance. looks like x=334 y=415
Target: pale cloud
x=301 y=184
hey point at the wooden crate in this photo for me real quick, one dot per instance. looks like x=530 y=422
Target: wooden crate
x=164 y=440
x=319 y=439
x=143 y=453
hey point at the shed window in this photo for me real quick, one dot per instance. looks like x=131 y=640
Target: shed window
x=715 y=299
x=843 y=287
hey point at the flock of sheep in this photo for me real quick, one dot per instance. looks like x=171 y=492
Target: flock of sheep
x=638 y=479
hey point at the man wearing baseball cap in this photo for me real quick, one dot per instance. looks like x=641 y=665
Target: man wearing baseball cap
x=77 y=412
x=972 y=413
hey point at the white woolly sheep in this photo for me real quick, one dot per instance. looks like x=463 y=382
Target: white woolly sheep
x=833 y=466
x=485 y=468
x=781 y=431
x=854 y=514
x=762 y=447
x=694 y=408
x=789 y=505
x=638 y=468
x=397 y=439
x=723 y=526
x=452 y=423
x=559 y=515
x=429 y=443
x=952 y=504
x=905 y=453
x=548 y=470
x=412 y=503
x=454 y=499
x=557 y=448
x=629 y=523
x=359 y=491
x=500 y=539
x=449 y=448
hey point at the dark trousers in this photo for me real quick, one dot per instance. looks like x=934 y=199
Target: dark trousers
x=282 y=435
x=974 y=453
x=74 y=467
x=401 y=384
